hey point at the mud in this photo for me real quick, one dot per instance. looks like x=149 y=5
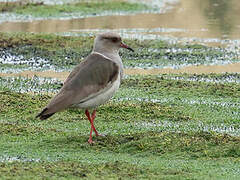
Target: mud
x=201 y=69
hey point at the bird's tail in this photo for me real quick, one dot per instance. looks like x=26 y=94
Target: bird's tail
x=44 y=115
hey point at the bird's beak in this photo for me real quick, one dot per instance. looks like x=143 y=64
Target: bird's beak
x=125 y=46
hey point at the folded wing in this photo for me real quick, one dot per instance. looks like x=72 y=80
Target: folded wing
x=92 y=75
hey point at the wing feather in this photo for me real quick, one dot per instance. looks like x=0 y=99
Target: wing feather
x=93 y=74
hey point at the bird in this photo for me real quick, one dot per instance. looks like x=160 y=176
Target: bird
x=92 y=82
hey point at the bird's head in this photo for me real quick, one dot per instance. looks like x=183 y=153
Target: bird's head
x=109 y=42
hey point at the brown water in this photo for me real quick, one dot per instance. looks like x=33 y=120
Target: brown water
x=229 y=68
x=189 y=18
x=196 y=18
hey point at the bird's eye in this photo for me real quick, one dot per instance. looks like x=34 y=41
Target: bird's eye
x=114 y=40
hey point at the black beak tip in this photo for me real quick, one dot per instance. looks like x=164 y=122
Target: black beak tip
x=130 y=49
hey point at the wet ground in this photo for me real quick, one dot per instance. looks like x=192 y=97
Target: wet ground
x=175 y=116
x=211 y=23
x=201 y=69
x=199 y=18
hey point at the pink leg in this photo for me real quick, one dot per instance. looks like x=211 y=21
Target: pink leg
x=90 y=141
x=91 y=119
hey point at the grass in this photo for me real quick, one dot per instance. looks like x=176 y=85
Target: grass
x=48 y=51
x=79 y=8
x=158 y=127
x=155 y=127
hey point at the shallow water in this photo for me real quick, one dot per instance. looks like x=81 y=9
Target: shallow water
x=200 y=69
x=198 y=18
x=213 y=23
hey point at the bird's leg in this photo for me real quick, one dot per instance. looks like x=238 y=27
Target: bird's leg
x=90 y=141
x=93 y=117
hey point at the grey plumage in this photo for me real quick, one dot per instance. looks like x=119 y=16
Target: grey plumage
x=89 y=77
x=93 y=82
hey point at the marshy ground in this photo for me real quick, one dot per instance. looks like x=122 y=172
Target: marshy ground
x=176 y=115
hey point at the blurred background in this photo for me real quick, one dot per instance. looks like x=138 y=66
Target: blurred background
x=178 y=18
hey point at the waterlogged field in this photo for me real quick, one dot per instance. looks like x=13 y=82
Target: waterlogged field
x=156 y=126
x=161 y=124
x=21 y=51
x=35 y=10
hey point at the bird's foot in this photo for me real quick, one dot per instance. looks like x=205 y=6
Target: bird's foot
x=90 y=141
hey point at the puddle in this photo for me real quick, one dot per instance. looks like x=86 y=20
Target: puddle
x=74 y=25
x=169 y=59
x=201 y=69
x=51 y=82
x=214 y=23
x=31 y=74
x=198 y=18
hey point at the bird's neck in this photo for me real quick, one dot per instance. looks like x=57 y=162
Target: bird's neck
x=106 y=50
x=113 y=56
x=109 y=53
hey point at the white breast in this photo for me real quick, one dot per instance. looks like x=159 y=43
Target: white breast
x=102 y=96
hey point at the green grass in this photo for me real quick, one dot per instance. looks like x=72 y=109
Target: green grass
x=80 y=8
x=156 y=127
x=48 y=51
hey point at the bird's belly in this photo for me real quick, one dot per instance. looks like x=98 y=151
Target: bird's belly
x=102 y=97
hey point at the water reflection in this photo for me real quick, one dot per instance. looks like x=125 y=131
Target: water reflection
x=221 y=15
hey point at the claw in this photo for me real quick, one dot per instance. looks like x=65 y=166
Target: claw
x=90 y=141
